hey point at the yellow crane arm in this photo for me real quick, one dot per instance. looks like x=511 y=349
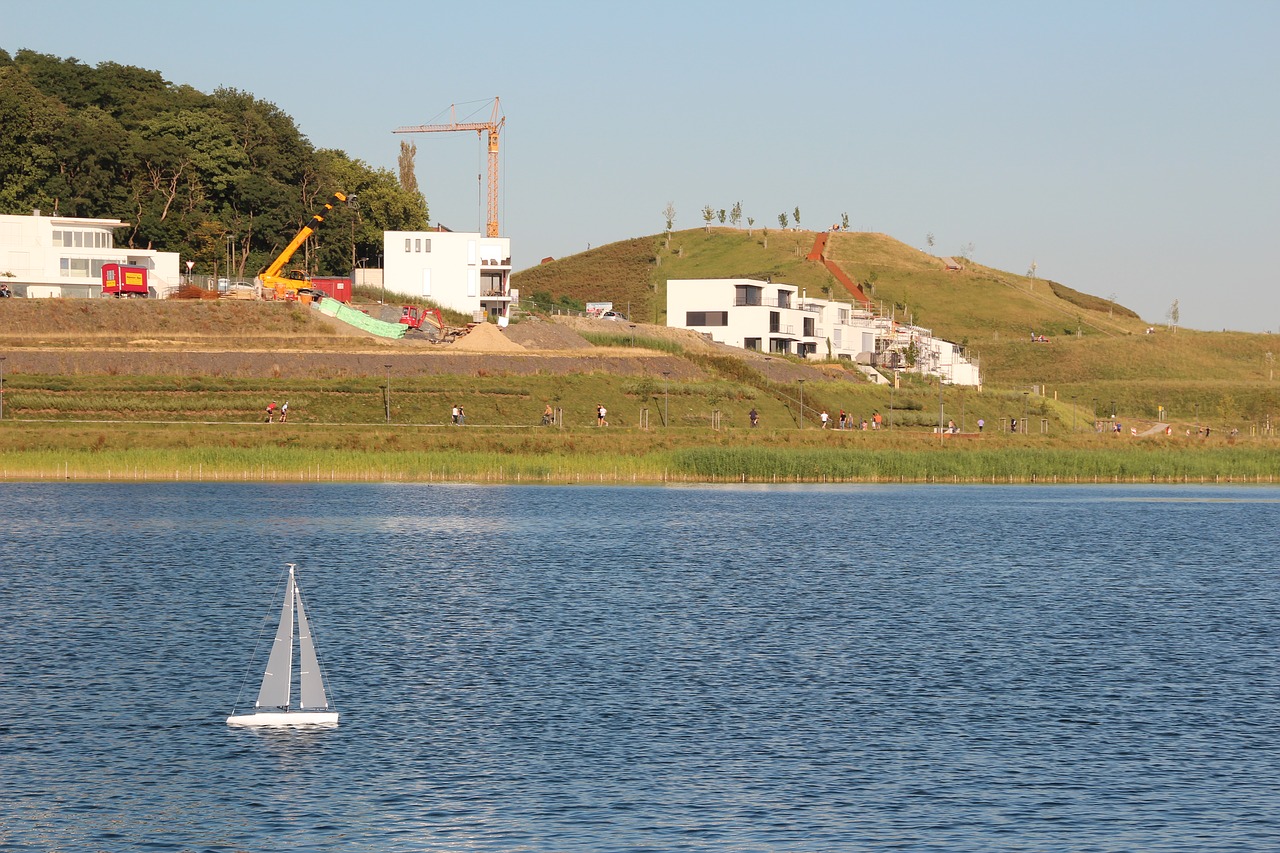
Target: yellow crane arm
x=272 y=272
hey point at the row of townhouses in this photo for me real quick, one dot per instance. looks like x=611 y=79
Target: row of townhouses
x=781 y=318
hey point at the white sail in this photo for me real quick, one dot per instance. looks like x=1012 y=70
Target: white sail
x=312 y=682
x=276 y=681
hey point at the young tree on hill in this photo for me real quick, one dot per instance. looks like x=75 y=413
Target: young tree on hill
x=765 y=231
x=408 y=177
x=735 y=215
x=721 y=215
x=750 y=222
x=844 y=222
x=782 y=220
x=1174 y=314
x=708 y=214
x=669 y=213
x=796 y=217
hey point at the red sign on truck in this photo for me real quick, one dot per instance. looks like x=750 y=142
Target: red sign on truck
x=122 y=279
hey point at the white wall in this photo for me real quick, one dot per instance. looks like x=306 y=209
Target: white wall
x=460 y=271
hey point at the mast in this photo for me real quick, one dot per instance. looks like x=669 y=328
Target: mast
x=274 y=692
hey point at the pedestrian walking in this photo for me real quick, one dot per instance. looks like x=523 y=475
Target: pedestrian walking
x=755 y=417
x=284 y=412
x=453 y=419
x=271 y=411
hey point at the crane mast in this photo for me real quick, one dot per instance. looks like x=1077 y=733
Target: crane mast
x=492 y=127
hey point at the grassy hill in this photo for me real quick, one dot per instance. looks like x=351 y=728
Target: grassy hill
x=991 y=312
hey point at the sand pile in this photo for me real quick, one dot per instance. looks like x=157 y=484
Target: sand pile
x=486 y=337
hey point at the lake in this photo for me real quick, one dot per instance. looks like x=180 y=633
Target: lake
x=645 y=669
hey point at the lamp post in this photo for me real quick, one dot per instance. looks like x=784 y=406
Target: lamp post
x=801 y=381
x=387 y=394
x=2 y=358
x=231 y=239
x=666 y=374
x=1026 y=395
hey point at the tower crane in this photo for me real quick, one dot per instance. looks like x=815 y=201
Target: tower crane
x=492 y=127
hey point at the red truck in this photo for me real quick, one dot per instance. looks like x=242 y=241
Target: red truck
x=123 y=280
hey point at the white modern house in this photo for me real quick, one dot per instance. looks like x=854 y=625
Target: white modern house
x=460 y=271
x=43 y=256
x=782 y=318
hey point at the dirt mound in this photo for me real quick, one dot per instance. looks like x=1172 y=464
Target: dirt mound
x=539 y=334
x=485 y=337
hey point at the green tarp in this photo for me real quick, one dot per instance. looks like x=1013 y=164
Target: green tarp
x=359 y=319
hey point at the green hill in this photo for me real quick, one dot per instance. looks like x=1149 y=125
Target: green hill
x=1098 y=353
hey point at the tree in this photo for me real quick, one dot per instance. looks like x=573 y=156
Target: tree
x=708 y=214
x=720 y=215
x=765 y=232
x=669 y=214
x=928 y=239
x=1174 y=314
x=844 y=222
x=735 y=215
x=796 y=216
x=782 y=220
x=408 y=175
x=750 y=222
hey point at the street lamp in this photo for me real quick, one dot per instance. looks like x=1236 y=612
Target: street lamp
x=801 y=381
x=387 y=395
x=1026 y=395
x=666 y=374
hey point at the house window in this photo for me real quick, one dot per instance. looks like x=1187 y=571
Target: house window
x=746 y=294
x=784 y=298
x=751 y=343
x=417 y=245
x=835 y=335
x=706 y=318
x=426 y=244
x=408 y=244
x=775 y=321
x=808 y=327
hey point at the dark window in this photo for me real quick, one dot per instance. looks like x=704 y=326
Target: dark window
x=775 y=321
x=751 y=343
x=706 y=318
x=745 y=294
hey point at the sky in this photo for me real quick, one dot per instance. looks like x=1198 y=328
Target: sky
x=1127 y=149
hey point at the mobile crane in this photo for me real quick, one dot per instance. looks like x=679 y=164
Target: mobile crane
x=287 y=286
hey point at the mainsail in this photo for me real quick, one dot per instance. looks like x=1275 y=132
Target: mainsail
x=274 y=692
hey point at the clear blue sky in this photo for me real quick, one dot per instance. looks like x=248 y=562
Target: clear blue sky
x=1127 y=148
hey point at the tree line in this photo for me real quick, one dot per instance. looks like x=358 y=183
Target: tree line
x=213 y=177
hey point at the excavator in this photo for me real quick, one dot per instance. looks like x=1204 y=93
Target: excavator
x=287 y=286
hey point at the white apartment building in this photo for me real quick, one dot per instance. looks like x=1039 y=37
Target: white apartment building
x=459 y=271
x=52 y=256
x=781 y=318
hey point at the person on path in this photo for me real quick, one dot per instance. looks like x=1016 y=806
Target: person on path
x=825 y=417
x=981 y=424
x=462 y=416
x=844 y=419
x=547 y=415
x=875 y=420
x=271 y=411
x=284 y=412
x=454 y=416
x=755 y=417
x=601 y=411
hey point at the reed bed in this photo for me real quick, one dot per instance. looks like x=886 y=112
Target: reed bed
x=294 y=463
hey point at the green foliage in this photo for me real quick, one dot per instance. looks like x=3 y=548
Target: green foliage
x=183 y=169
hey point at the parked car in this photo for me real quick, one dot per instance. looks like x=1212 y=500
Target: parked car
x=613 y=315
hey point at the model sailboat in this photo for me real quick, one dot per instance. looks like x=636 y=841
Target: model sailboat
x=275 y=701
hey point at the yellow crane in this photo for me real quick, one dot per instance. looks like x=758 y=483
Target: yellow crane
x=289 y=284
x=492 y=127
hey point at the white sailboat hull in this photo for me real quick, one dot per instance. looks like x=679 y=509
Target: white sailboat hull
x=283 y=718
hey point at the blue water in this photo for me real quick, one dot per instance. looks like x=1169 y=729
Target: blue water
x=628 y=669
